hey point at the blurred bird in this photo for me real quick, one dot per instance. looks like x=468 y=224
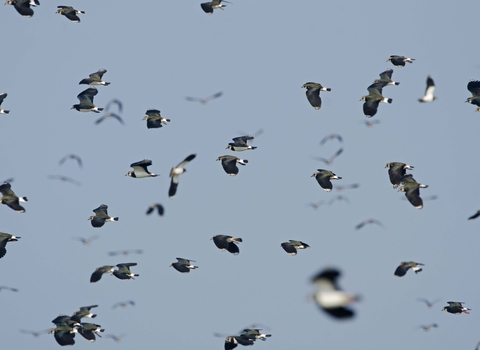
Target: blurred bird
x=313 y=93
x=158 y=207
x=386 y=77
x=316 y=205
x=123 y=304
x=399 y=61
x=338 y=198
x=412 y=190
x=429 y=91
x=23 y=6
x=140 y=169
x=229 y=243
x=347 y=187
x=86 y=101
x=474 y=87
x=101 y=216
x=10 y=198
x=407 y=265
x=90 y=330
x=2 y=97
x=124 y=272
x=428 y=302
x=331 y=137
x=64 y=179
x=209 y=98
x=95 y=78
x=323 y=178
x=71 y=156
x=331 y=159
x=175 y=174
x=474 y=216
x=154 y=119
x=292 y=246
x=370 y=123
x=70 y=13
x=110 y=116
x=229 y=164
x=126 y=252
x=115 y=338
x=396 y=171
x=8 y=288
x=367 y=222
x=208 y=7
x=373 y=99
x=36 y=334
x=116 y=102
x=426 y=328
x=240 y=143
x=99 y=271
x=456 y=307
x=86 y=241
x=183 y=265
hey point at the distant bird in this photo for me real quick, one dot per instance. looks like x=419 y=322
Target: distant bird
x=331 y=137
x=254 y=334
x=158 y=207
x=114 y=102
x=65 y=179
x=8 y=288
x=110 y=116
x=84 y=311
x=206 y=99
x=175 y=174
x=292 y=246
x=370 y=123
x=10 y=198
x=456 y=308
x=101 y=216
x=95 y=78
x=71 y=156
x=316 y=205
x=474 y=87
x=90 y=330
x=183 y=265
x=229 y=243
x=86 y=101
x=323 y=178
x=474 y=216
x=412 y=190
x=2 y=97
x=347 y=187
x=386 y=77
x=64 y=334
x=232 y=341
x=313 y=93
x=154 y=119
x=428 y=302
x=429 y=91
x=23 y=6
x=404 y=266
x=140 y=169
x=124 y=272
x=240 y=143
x=86 y=241
x=123 y=304
x=126 y=252
x=70 y=13
x=367 y=222
x=36 y=334
x=330 y=298
x=229 y=164
x=208 y=7
x=373 y=99
x=396 y=171
x=427 y=327
x=115 y=338
x=99 y=271
x=331 y=159
x=338 y=198
x=399 y=61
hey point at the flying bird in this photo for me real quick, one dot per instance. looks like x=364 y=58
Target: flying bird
x=412 y=190
x=228 y=243
x=10 y=198
x=229 y=164
x=232 y=341
x=140 y=169
x=208 y=7
x=8 y=288
x=123 y=304
x=474 y=87
x=23 y=6
x=124 y=272
x=183 y=265
x=368 y=222
x=116 y=338
x=99 y=271
x=70 y=13
x=331 y=159
x=158 y=207
x=126 y=252
x=110 y=116
x=101 y=216
x=84 y=311
x=65 y=179
x=292 y=246
x=427 y=327
x=338 y=198
x=2 y=97
x=175 y=174
x=313 y=93
x=404 y=266
x=474 y=216
x=323 y=178
x=89 y=330
x=399 y=61
x=114 y=102
x=86 y=241
x=331 y=137
x=456 y=308
x=64 y=334
x=86 y=101
x=154 y=119
x=206 y=99
x=386 y=77
x=396 y=171
x=71 y=156
x=240 y=143
x=95 y=78
x=429 y=91
x=428 y=302
x=316 y=205
x=373 y=99
x=36 y=334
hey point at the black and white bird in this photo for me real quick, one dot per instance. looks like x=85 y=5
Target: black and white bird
x=208 y=7
x=240 y=143
x=86 y=101
x=70 y=13
x=23 y=6
x=64 y=334
x=323 y=178
x=4 y=239
x=313 y=93
x=3 y=95
x=331 y=159
x=183 y=265
x=11 y=199
x=292 y=246
x=254 y=334
x=95 y=78
x=373 y=99
x=99 y=271
x=232 y=341
x=412 y=190
x=71 y=156
x=228 y=243
x=404 y=266
x=90 y=330
x=456 y=308
x=330 y=298
x=429 y=91
x=206 y=99
x=140 y=169
x=396 y=171
x=175 y=174
x=124 y=272
x=158 y=207
x=84 y=311
x=399 y=61
x=101 y=216
x=229 y=164
x=474 y=87
x=154 y=119
x=386 y=77
x=474 y=216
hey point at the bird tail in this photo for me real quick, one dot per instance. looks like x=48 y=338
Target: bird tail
x=136 y=275
x=254 y=147
x=243 y=161
x=22 y=199
x=106 y=84
x=82 y=12
x=236 y=239
x=94 y=315
x=168 y=120
x=423 y=186
x=387 y=100
x=100 y=109
x=326 y=89
x=396 y=83
x=5 y=111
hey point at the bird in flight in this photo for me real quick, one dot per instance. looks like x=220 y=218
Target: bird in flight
x=205 y=100
x=429 y=91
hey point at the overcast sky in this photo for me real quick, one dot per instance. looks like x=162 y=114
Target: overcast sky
x=259 y=54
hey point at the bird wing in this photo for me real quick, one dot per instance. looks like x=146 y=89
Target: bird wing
x=474 y=87
x=186 y=160
x=86 y=96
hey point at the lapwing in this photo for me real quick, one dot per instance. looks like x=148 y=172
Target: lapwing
x=347 y=187
x=110 y=116
x=373 y=99
x=331 y=159
x=86 y=241
x=101 y=216
x=64 y=319
x=36 y=334
x=99 y=271
x=154 y=119
x=456 y=308
x=396 y=171
x=338 y=198
x=71 y=156
x=331 y=137
x=123 y=304
x=183 y=265
x=399 y=61
x=116 y=338
x=4 y=239
x=368 y=222
x=254 y=334
x=95 y=78
x=316 y=205
x=86 y=101
x=2 y=97
x=206 y=99
x=228 y=243
x=428 y=302
x=386 y=77
x=126 y=252
x=429 y=91
x=240 y=143
x=158 y=207
x=140 y=169
x=23 y=6
x=229 y=164
x=330 y=298
x=474 y=216
x=65 y=179
x=474 y=87
x=124 y=272
x=313 y=93
x=8 y=288
x=89 y=330
x=84 y=311
x=370 y=123
x=323 y=178
x=292 y=246
x=232 y=341
x=208 y=7
x=427 y=327
x=64 y=334
x=114 y=101
x=175 y=174
x=70 y=13
x=10 y=198
x=404 y=266
x=412 y=190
